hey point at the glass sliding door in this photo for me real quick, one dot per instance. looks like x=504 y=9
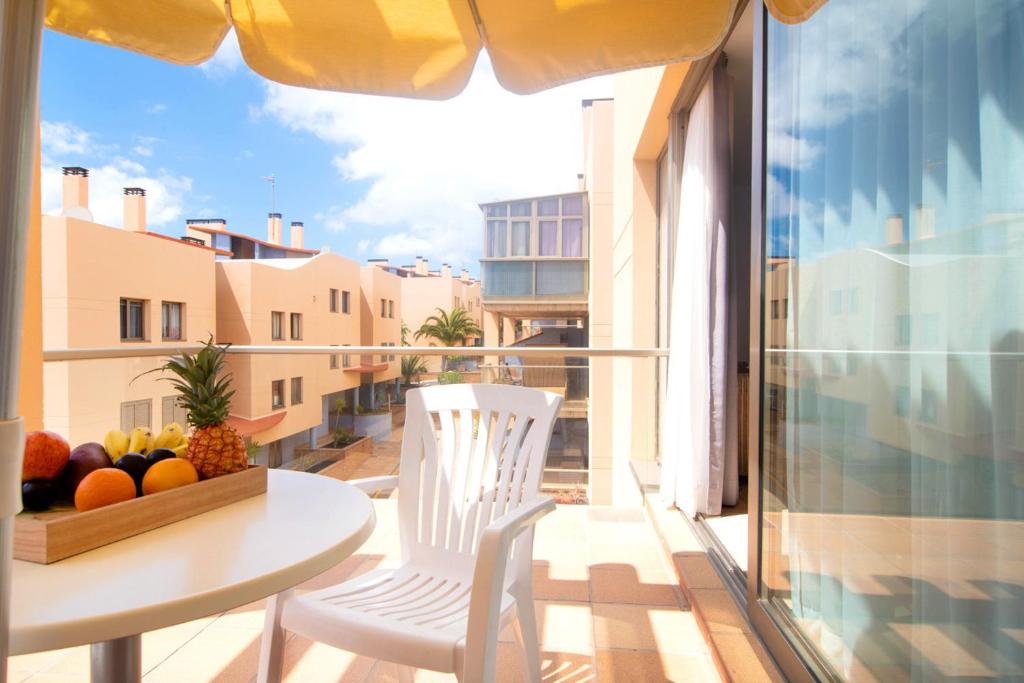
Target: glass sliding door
x=891 y=479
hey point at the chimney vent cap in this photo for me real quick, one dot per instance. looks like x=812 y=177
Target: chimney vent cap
x=205 y=221
x=297 y=223
x=273 y=215
x=75 y=170
x=135 y=191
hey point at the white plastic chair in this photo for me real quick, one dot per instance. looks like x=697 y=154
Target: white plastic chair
x=468 y=499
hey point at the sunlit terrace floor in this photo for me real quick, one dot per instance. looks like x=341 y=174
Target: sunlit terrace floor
x=608 y=605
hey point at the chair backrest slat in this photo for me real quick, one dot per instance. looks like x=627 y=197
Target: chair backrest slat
x=470 y=454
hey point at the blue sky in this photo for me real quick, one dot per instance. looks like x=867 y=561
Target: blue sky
x=369 y=176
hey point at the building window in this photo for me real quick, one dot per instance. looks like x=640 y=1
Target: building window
x=277 y=325
x=547 y=207
x=296 y=391
x=171 y=320
x=383 y=308
x=136 y=414
x=132 y=320
x=334 y=300
x=497 y=210
x=852 y=364
x=497 y=238
x=853 y=300
x=572 y=206
x=520 y=238
x=277 y=394
x=775 y=309
x=902 y=400
x=522 y=208
x=383 y=356
x=346 y=361
x=334 y=361
x=345 y=296
x=296 y=325
x=171 y=410
x=903 y=330
x=929 y=406
x=572 y=237
x=391 y=308
x=548 y=234
x=391 y=356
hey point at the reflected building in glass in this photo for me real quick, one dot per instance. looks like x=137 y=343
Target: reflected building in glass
x=892 y=483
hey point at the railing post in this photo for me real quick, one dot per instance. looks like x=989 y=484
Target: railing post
x=20 y=29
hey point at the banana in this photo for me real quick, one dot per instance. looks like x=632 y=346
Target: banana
x=171 y=436
x=115 y=443
x=137 y=440
x=181 y=451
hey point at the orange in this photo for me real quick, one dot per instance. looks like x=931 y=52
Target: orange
x=168 y=474
x=104 y=486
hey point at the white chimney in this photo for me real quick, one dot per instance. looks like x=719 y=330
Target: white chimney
x=297 y=235
x=894 y=229
x=581 y=182
x=464 y=275
x=135 y=209
x=76 y=193
x=274 y=230
x=422 y=265
x=446 y=270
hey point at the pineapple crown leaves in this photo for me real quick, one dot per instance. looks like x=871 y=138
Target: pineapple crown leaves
x=205 y=394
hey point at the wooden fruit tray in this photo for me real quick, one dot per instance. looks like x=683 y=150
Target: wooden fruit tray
x=46 y=537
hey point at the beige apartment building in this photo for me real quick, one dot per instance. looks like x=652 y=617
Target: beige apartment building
x=381 y=306
x=424 y=291
x=104 y=286
x=286 y=401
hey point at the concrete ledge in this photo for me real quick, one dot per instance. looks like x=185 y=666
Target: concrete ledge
x=738 y=653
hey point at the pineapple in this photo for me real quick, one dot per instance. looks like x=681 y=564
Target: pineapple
x=215 y=447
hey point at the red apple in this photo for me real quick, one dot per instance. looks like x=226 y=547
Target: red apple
x=84 y=459
x=46 y=453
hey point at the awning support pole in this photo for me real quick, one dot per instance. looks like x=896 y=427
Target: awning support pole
x=21 y=24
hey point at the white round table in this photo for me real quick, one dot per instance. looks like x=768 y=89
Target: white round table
x=216 y=561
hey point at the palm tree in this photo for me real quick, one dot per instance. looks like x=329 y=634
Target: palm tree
x=412 y=366
x=449 y=328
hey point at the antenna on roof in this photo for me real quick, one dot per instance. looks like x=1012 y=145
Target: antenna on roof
x=273 y=191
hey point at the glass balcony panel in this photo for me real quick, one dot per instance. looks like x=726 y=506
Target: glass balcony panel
x=561 y=278
x=497 y=238
x=496 y=211
x=512 y=278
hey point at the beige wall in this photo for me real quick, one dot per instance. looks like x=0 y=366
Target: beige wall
x=379 y=284
x=642 y=108
x=87 y=268
x=422 y=296
x=247 y=293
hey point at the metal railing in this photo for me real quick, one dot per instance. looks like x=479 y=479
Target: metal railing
x=164 y=349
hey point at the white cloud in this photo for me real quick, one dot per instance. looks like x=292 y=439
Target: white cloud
x=158 y=108
x=144 y=145
x=62 y=138
x=226 y=60
x=333 y=218
x=64 y=143
x=430 y=163
x=787 y=151
x=363 y=246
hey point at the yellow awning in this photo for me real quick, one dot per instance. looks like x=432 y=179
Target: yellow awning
x=415 y=48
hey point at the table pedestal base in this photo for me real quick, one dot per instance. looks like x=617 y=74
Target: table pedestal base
x=117 y=661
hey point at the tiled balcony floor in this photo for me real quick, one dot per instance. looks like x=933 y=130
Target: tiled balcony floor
x=608 y=607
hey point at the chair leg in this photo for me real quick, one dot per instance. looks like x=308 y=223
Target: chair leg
x=526 y=636
x=271 y=662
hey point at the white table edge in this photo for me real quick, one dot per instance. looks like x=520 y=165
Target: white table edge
x=31 y=639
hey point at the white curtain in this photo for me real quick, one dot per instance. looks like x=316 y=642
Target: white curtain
x=699 y=468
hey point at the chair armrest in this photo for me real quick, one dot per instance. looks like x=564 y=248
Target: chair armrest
x=489 y=582
x=371 y=485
